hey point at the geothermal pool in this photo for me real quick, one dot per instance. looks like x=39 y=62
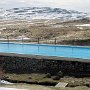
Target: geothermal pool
x=46 y=50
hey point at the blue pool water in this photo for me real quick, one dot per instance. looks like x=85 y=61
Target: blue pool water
x=46 y=50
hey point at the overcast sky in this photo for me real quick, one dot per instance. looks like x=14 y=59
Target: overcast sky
x=79 y=5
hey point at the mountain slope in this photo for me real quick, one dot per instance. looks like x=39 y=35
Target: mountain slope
x=30 y=13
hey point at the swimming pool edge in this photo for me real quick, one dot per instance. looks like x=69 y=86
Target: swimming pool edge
x=45 y=57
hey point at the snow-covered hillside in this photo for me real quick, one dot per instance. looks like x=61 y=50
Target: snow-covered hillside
x=30 y=13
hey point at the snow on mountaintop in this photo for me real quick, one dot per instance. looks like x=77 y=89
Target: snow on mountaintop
x=30 y=13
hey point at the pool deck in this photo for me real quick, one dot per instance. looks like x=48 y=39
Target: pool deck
x=45 y=57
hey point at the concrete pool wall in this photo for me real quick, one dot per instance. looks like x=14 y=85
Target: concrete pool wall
x=18 y=63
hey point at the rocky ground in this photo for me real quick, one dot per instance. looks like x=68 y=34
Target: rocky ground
x=73 y=83
x=46 y=30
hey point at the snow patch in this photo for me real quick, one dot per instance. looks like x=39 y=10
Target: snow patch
x=83 y=25
x=3 y=88
x=4 y=82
